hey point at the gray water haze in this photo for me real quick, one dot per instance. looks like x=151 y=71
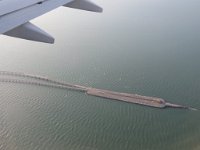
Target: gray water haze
x=148 y=47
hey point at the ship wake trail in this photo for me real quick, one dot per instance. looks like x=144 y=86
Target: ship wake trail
x=41 y=78
x=125 y=97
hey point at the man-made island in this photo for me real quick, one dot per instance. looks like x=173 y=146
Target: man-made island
x=125 y=97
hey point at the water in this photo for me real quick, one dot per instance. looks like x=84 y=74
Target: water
x=148 y=47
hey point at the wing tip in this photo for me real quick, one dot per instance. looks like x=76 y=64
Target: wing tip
x=84 y=5
x=99 y=10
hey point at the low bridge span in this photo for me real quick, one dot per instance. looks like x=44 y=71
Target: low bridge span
x=6 y=76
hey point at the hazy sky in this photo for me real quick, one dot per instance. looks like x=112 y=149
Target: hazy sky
x=122 y=23
x=148 y=14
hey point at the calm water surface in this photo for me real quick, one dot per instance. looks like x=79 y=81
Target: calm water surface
x=149 y=47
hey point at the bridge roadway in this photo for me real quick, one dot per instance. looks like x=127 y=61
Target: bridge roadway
x=125 y=97
x=130 y=98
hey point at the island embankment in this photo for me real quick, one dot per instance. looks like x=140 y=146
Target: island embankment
x=125 y=97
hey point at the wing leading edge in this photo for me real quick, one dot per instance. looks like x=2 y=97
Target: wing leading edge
x=16 y=23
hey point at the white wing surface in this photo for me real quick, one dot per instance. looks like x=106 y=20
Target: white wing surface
x=14 y=19
x=7 y=6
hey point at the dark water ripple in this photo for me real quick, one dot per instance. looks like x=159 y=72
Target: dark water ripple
x=52 y=118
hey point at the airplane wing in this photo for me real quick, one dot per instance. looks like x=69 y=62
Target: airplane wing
x=16 y=14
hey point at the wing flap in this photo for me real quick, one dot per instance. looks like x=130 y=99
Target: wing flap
x=31 y=32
